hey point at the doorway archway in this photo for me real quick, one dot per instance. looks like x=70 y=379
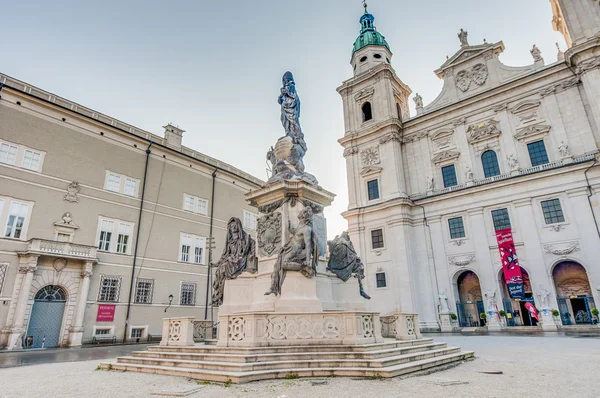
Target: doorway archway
x=470 y=299
x=574 y=294
x=46 y=317
x=516 y=312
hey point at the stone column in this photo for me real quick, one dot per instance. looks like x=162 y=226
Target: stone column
x=27 y=267
x=589 y=71
x=76 y=329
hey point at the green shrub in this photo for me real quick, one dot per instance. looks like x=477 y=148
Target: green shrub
x=595 y=311
x=502 y=313
x=482 y=315
x=555 y=313
x=453 y=317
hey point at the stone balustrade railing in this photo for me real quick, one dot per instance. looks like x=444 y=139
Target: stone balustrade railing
x=65 y=249
x=401 y=326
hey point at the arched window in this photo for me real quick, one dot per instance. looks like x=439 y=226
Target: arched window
x=51 y=293
x=489 y=160
x=367 y=113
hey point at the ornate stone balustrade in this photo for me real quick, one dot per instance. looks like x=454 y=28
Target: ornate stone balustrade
x=270 y=329
x=401 y=326
x=500 y=177
x=203 y=330
x=178 y=331
x=61 y=249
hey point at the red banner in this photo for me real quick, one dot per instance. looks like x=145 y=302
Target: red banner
x=106 y=313
x=510 y=263
x=531 y=308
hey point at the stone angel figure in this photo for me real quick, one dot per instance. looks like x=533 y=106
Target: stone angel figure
x=344 y=261
x=238 y=256
x=290 y=119
x=418 y=101
x=564 y=150
x=536 y=54
x=463 y=37
x=300 y=253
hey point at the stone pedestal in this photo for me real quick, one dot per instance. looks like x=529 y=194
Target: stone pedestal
x=493 y=321
x=178 y=331
x=401 y=326
x=446 y=322
x=548 y=324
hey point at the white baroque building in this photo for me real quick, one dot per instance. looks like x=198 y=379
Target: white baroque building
x=500 y=147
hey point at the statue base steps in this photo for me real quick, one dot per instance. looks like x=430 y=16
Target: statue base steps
x=389 y=358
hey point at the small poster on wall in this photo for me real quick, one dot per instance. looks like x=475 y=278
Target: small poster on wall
x=106 y=313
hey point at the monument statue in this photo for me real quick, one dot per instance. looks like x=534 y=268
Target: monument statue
x=344 y=261
x=462 y=36
x=238 y=256
x=443 y=302
x=287 y=156
x=300 y=253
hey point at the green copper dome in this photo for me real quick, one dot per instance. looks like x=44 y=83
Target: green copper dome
x=369 y=36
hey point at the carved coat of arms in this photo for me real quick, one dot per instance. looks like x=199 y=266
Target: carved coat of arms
x=269 y=233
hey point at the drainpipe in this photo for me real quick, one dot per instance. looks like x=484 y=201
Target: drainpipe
x=137 y=240
x=590 y=193
x=210 y=248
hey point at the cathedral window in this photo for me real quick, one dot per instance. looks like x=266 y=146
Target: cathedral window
x=449 y=176
x=367 y=113
x=553 y=213
x=457 y=228
x=489 y=160
x=501 y=219
x=373 y=189
x=537 y=153
x=380 y=278
x=377 y=56
x=363 y=59
x=377 y=238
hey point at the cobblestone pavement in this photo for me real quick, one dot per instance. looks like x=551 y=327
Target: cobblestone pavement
x=531 y=366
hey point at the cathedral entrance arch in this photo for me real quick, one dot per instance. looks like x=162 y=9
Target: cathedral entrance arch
x=516 y=312
x=574 y=293
x=470 y=299
x=46 y=317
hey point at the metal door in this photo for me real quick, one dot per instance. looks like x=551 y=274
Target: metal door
x=46 y=318
x=563 y=308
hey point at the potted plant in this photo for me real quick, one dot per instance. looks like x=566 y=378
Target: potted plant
x=556 y=315
x=595 y=313
x=503 y=317
x=453 y=318
x=482 y=316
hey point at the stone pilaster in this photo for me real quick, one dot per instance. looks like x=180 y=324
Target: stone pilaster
x=27 y=266
x=76 y=330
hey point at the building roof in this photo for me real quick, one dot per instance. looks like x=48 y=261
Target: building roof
x=369 y=36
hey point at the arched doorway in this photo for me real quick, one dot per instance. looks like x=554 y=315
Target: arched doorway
x=574 y=294
x=46 y=317
x=516 y=312
x=470 y=301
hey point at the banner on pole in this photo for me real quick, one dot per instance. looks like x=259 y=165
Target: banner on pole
x=510 y=264
x=531 y=308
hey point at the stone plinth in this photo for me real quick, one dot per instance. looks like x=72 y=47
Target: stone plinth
x=446 y=322
x=297 y=329
x=401 y=326
x=548 y=324
x=178 y=331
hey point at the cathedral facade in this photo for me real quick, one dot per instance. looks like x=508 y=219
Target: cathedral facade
x=495 y=176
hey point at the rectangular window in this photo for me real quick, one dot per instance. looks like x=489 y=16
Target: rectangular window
x=188 y=293
x=192 y=249
x=143 y=291
x=250 y=220
x=194 y=204
x=377 y=238
x=449 y=176
x=537 y=153
x=8 y=153
x=3 y=272
x=137 y=333
x=31 y=160
x=186 y=245
x=113 y=183
x=380 y=278
x=552 y=211
x=501 y=219
x=373 y=189
x=457 y=228
x=198 y=251
x=130 y=187
x=110 y=287
x=123 y=238
x=106 y=231
x=16 y=220
x=102 y=331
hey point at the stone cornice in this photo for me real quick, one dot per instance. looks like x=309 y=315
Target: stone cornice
x=371 y=129
x=384 y=70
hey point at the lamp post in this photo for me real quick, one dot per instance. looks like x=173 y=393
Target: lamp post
x=170 y=301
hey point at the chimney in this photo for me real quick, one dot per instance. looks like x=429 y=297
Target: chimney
x=173 y=136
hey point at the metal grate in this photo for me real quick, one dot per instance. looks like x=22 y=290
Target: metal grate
x=110 y=287
x=3 y=272
x=143 y=291
x=188 y=293
x=51 y=293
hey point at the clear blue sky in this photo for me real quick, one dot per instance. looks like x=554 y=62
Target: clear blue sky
x=214 y=67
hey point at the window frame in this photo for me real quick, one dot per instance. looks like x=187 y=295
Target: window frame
x=144 y=329
x=462 y=223
x=382 y=239
x=253 y=222
x=18 y=156
x=16 y=152
x=123 y=179
x=95 y=328
x=3 y=274
x=444 y=178
x=114 y=241
x=562 y=212
x=13 y=226
x=149 y=293
x=385 y=286
x=196 y=204
x=117 y=288
x=494 y=219
x=191 y=253
x=542 y=143
x=376 y=181
x=195 y=292
x=363 y=114
x=483 y=164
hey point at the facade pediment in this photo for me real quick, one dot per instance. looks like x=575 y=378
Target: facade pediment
x=370 y=170
x=469 y=53
x=532 y=131
x=483 y=131
x=446 y=155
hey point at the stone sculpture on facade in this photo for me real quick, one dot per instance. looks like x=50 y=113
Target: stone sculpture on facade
x=418 y=101
x=544 y=296
x=469 y=174
x=287 y=156
x=238 y=256
x=300 y=253
x=462 y=36
x=269 y=233
x=536 y=54
x=444 y=309
x=490 y=296
x=429 y=183
x=513 y=163
x=564 y=150
x=344 y=261
x=72 y=194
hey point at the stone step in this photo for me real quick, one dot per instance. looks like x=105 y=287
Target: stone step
x=245 y=377
x=284 y=364
x=218 y=357
x=206 y=349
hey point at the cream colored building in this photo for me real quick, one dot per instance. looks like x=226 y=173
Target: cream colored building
x=500 y=147
x=84 y=197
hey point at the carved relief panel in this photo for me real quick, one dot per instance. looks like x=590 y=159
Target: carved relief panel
x=471 y=78
x=269 y=234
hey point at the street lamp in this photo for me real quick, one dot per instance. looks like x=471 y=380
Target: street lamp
x=170 y=301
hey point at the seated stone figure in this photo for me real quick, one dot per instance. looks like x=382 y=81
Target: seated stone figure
x=238 y=256
x=300 y=253
x=344 y=261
